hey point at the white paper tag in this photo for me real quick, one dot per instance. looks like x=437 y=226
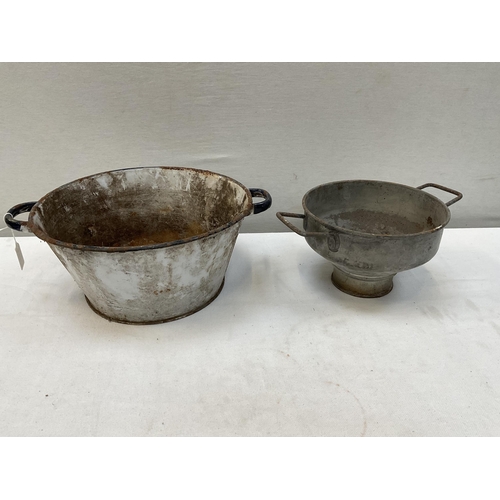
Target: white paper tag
x=19 y=254
x=17 y=247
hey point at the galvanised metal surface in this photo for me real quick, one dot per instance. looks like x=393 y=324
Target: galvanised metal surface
x=371 y=230
x=145 y=245
x=154 y=285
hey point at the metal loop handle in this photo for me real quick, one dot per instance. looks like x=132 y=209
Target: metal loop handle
x=333 y=238
x=263 y=205
x=458 y=195
x=18 y=225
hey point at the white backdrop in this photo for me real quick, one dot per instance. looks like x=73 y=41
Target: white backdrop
x=282 y=127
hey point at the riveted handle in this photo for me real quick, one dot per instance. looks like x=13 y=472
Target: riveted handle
x=333 y=238
x=263 y=205
x=458 y=195
x=18 y=225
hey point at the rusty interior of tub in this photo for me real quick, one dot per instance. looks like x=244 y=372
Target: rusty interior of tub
x=137 y=207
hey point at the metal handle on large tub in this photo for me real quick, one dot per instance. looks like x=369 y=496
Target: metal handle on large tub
x=333 y=246
x=18 y=225
x=458 y=195
x=263 y=205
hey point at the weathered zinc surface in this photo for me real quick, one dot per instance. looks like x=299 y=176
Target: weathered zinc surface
x=145 y=245
x=371 y=230
x=152 y=285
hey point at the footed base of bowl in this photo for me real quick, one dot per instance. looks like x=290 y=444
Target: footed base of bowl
x=362 y=286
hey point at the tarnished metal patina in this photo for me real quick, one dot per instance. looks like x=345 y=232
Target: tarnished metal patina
x=371 y=230
x=145 y=245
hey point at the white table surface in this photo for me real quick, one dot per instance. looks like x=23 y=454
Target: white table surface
x=281 y=352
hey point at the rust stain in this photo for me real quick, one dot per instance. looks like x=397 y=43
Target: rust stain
x=116 y=216
x=189 y=230
x=371 y=222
